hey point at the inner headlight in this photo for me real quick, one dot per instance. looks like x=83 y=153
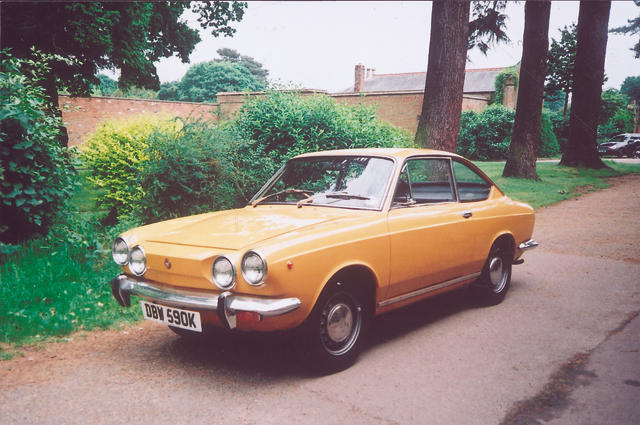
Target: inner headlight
x=254 y=268
x=137 y=261
x=120 y=251
x=224 y=274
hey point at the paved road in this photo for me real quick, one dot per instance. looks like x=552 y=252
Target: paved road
x=564 y=348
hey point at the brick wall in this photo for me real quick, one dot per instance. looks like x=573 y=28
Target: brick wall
x=82 y=115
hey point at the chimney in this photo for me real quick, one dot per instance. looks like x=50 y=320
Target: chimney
x=358 y=85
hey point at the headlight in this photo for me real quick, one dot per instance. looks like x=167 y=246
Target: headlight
x=254 y=268
x=120 y=251
x=224 y=274
x=137 y=261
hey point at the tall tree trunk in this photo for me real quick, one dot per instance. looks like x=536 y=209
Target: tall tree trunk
x=523 y=151
x=581 y=149
x=439 y=123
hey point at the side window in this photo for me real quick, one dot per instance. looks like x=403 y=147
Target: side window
x=471 y=187
x=429 y=180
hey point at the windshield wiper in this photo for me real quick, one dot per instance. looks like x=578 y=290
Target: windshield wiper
x=286 y=191
x=334 y=195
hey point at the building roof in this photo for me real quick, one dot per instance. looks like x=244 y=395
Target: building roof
x=476 y=81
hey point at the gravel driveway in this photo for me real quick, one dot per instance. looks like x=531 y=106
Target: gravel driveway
x=540 y=356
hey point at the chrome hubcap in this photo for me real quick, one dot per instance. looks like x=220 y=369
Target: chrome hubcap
x=497 y=274
x=339 y=323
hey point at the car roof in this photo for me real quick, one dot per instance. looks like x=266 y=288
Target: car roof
x=399 y=153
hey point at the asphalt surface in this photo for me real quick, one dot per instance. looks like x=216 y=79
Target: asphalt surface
x=563 y=348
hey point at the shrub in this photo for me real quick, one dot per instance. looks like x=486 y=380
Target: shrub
x=186 y=173
x=286 y=124
x=115 y=151
x=620 y=122
x=36 y=174
x=486 y=135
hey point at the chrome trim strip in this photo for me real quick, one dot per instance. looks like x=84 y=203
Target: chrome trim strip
x=530 y=244
x=426 y=290
x=204 y=301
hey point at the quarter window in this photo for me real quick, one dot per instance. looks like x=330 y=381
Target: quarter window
x=425 y=180
x=471 y=187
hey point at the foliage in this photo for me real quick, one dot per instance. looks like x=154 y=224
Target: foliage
x=204 y=80
x=486 y=135
x=487 y=25
x=286 y=124
x=561 y=61
x=633 y=27
x=620 y=122
x=114 y=153
x=631 y=87
x=169 y=91
x=185 y=173
x=106 y=87
x=130 y=36
x=136 y=93
x=501 y=81
x=35 y=171
x=254 y=67
x=560 y=126
x=612 y=101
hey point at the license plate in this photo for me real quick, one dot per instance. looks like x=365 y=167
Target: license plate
x=179 y=318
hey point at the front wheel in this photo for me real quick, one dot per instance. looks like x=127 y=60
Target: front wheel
x=336 y=327
x=495 y=280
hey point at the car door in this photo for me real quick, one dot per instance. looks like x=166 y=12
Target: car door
x=428 y=228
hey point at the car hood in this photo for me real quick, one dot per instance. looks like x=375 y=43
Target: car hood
x=239 y=228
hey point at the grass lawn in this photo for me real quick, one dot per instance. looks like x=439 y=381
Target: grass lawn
x=556 y=183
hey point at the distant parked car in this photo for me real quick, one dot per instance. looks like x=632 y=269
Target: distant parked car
x=346 y=234
x=627 y=144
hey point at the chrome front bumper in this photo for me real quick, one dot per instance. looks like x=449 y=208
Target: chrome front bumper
x=225 y=304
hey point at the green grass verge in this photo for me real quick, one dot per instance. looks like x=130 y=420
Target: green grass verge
x=556 y=183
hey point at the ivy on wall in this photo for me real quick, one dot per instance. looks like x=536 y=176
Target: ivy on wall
x=501 y=81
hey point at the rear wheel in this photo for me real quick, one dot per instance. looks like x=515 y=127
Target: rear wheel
x=337 y=326
x=495 y=280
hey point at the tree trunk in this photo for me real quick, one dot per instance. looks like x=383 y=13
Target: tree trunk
x=439 y=123
x=523 y=151
x=51 y=91
x=581 y=149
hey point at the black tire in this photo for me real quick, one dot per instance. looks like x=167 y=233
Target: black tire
x=336 y=329
x=495 y=280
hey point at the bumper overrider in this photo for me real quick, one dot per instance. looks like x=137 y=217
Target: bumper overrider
x=226 y=304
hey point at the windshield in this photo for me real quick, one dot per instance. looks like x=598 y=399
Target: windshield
x=338 y=181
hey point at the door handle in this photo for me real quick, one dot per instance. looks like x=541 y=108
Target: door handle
x=467 y=214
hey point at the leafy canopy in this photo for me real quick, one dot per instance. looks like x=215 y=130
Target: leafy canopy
x=204 y=80
x=561 y=61
x=254 y=67
x=631 y=87
x=633 y=27
x=129 y=36
x=487 y=25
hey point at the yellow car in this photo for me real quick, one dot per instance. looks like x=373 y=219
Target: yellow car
x=331 y=240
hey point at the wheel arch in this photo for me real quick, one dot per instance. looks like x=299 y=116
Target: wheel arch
x=508 y=240
x=356 y=275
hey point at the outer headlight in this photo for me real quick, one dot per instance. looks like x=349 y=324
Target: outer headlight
x=137 y=261
x=254 y=268
x=120 y=251
x=224 y=274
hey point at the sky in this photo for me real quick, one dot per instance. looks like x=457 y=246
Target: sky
x=317 y=44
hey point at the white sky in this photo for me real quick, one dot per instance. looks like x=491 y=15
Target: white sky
x=317 y=44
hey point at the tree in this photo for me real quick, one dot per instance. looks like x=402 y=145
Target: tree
x=452 y=35
x=204 y=80
x=439 y=122
x=523 y=151
x=254 y=67
x=581 y=149
x=106 y=87
x=129 y=36
x=561 y=65
x=633 y=27
x=631 y=87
